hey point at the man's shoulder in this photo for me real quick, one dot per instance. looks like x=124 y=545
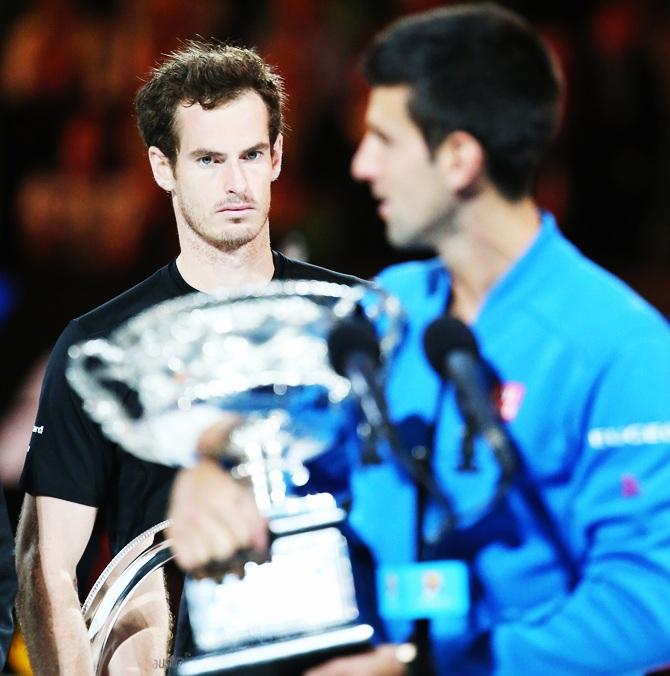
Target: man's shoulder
x=295 y=269
x=158 y=287
x=102 y=320
x=591 y=302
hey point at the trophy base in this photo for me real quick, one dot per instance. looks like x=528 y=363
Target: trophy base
x=288 y=657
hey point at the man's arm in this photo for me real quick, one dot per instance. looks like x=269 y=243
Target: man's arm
x=64 y=459
x=616 y=620
x=141 y=636
x=51 y=538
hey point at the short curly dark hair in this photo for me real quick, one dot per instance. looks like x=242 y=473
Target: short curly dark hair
x=207 y=73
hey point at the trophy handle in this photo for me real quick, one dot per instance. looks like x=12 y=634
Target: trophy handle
x=148 y=552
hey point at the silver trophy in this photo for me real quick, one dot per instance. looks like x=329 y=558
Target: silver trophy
x=160 y=380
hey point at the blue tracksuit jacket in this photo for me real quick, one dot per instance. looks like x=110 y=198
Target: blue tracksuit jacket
x=584 y=365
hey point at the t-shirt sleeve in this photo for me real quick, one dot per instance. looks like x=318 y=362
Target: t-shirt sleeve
x=617 y=618
x=68 y=457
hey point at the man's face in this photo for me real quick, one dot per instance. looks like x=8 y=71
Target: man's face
x=394 y=159
x=224 y=169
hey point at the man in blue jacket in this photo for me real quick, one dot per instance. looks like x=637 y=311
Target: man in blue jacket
x=571 y=574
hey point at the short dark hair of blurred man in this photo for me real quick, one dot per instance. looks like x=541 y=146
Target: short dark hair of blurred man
x=211 y=116
x=569 y=572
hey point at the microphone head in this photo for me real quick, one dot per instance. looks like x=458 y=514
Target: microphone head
x=445 y=335
x=353 y=335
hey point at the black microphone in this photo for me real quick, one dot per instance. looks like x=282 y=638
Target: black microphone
x=452 y=351
x=353 y=349
x=354 y=353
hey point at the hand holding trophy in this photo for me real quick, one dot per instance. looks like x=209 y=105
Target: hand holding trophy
x=213 y=516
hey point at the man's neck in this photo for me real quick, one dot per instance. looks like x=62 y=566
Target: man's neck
x=492 y=233
x=206 y=268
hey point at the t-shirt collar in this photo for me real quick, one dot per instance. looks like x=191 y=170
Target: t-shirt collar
x=184 y=287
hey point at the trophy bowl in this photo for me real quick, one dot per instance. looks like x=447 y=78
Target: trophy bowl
x=157 y=382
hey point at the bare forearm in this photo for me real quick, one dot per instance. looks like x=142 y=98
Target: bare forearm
x=141 y=634
x=51 y=619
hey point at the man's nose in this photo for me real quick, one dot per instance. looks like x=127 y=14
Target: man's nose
x=363 y=161
x=234 y=178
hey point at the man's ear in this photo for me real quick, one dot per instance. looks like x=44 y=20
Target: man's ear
x=277 y=149
x=161 y=168
x=462 y=162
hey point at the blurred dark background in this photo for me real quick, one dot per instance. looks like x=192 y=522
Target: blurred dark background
x=82 y=219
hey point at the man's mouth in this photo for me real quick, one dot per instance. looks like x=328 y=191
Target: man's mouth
x=232 y=208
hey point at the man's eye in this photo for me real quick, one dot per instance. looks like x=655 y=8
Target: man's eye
x=205 y=160
x=254 y=154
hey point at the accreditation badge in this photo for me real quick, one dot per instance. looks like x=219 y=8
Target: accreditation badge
x=423 y=590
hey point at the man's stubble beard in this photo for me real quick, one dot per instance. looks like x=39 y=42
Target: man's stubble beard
x=224 y=241
x=441 y=226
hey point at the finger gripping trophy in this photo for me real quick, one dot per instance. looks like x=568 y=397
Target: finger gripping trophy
x=165 y=377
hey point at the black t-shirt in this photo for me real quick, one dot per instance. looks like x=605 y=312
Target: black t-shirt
x=70 y=458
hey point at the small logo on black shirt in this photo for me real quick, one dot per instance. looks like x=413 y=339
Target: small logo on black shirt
x=38 y=430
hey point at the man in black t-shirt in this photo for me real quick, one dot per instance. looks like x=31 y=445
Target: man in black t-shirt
x=211 y=117
x=70 y=457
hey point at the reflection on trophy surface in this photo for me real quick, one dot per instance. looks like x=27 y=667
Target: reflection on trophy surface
x=159 y=386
